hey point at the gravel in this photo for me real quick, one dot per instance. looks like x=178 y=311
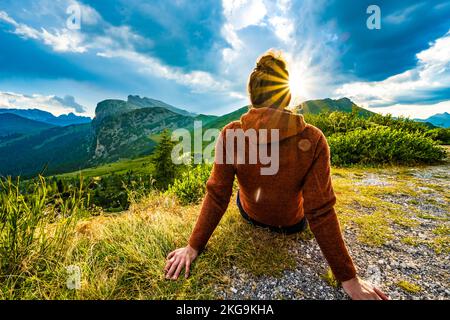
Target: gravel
x=384 y=266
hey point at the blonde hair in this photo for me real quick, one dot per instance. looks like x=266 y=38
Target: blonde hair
x=268 y=84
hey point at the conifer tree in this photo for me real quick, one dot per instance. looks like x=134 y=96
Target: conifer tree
x=164 y=166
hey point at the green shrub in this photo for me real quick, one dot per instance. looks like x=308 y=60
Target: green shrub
x=440 y=134
x=190 y=187
x=341 y=122
x=383 y=145
x=336 y=122
x=399 y=123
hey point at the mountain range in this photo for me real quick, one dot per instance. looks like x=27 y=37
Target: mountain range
x=47 y=117
x=121 y=129
x=439 y=120
x=14 y=125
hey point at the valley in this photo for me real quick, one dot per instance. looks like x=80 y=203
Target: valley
x=120 y=130
x=122 y=133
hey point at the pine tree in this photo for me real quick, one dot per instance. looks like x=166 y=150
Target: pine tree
x=164 y=167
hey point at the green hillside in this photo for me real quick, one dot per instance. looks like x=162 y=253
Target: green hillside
x=129 y=135
x=58 y=149
x=11 y=124
x=330 y=105
x=141 y=165
x=222 y=121
x=205 y=119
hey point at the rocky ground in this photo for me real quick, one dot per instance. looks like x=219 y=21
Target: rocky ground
x=412 y=264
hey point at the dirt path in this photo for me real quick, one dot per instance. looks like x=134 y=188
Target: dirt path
x=396 y=225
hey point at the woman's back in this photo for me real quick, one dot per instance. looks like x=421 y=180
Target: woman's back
x=275 y=198
x=283 y=169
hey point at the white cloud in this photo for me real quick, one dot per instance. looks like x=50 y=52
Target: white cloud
x=438 y=53
x=50 y=103
x=198 y=81
x=232 y=53
x=243 y=13
x=282 y=22
x=414 y=111
x=415 y=86
x=5 y=17
x=114 y=42
x=89 y=15
x=63 y=40
x=283 y=28
x=27 y=32
x=69 y=102
x=284 y=5
x=402 y=15
x=239 y=14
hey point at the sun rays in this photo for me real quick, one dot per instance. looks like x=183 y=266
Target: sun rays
x=277 y=88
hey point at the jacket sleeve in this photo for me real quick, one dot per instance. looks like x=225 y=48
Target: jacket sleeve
x=218 y=193
x=319 y=200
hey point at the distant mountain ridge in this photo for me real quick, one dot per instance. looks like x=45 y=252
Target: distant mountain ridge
x=120 y=129
x=14 y=125
x=114 y=107
x=47 y=117
x=439 y=120
x=330 y=105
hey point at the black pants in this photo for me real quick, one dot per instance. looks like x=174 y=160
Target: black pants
x=298 y=227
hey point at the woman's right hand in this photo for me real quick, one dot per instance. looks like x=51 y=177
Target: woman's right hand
x=179 y=259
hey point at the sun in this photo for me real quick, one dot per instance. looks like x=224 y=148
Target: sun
x=283 y=85
x=297 y=86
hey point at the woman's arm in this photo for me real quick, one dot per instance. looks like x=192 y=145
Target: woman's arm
x=218 y=193
x=319 y=200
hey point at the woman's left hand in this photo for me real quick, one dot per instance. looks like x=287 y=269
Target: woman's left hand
x=359 y=289
x=179 y=259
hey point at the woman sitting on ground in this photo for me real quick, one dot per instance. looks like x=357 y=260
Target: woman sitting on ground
x=300 y=192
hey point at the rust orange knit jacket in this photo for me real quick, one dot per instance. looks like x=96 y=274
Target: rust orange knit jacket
x=301 y=187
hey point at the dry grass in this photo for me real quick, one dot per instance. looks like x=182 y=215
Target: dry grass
x=122 y=256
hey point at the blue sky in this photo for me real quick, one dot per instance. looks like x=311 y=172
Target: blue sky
x=197 y=55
